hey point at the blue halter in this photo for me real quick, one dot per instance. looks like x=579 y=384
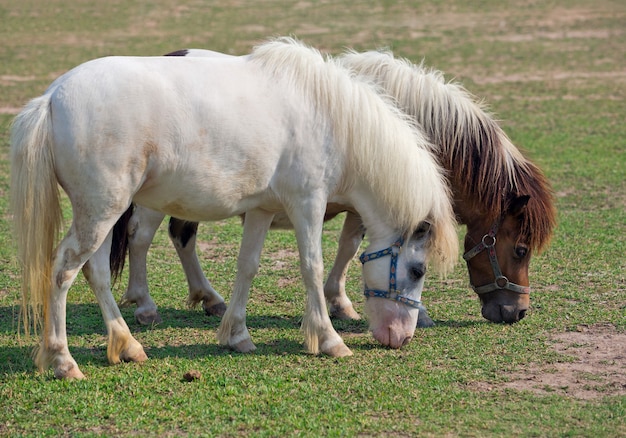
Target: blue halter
x=392 y=293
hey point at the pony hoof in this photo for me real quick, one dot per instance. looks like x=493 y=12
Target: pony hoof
x=425 y=322
x=245 y=346
x=346 y=313
x=148 y=318
x=135 y=356
x=140 y=357
x=423 y=319
x=339 y=350
x=69 y=372
x=217 y=310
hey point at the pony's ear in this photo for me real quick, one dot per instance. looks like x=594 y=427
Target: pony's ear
x=517 y=204
x=422 y=230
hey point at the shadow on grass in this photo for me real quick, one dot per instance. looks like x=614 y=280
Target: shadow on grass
x=18 y=360
x=461 y=324
x=86 y=320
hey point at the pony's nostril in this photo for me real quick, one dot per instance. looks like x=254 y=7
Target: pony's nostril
x=522 y=314
x=407 y=340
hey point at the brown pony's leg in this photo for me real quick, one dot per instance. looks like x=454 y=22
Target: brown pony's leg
x=142 y=227
x=183 y=235
x=423 y=319
x=335 y=288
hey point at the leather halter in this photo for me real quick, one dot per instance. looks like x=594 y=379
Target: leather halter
x=488 y=242
x=392 y=292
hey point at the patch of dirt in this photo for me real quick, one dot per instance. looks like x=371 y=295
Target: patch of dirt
x=598 y=369
x=11 y=79
x=214 y=249
x=10 y=110
x=284 y=257
x=550 y=76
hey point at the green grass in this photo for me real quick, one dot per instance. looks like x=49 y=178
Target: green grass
x=551 y=71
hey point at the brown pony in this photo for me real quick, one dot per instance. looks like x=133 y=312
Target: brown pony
x=502 y=197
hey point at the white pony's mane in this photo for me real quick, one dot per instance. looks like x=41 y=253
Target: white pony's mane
x=382 y=145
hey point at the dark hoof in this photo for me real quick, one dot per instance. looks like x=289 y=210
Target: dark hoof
x=346 y=313
x=216 y=310
x=149 y=318
x=423 y=319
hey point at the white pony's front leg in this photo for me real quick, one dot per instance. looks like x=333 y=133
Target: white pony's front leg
x=122 y=346
x=335 y=288
x=319 y=334
x=232 y=330
x=141 y=230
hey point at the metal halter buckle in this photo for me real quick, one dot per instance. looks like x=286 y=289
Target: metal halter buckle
x=488 y=242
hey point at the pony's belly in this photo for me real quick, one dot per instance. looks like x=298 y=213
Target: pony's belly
x=203 y=206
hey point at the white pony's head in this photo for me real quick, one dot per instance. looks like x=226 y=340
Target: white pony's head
x=394 y=279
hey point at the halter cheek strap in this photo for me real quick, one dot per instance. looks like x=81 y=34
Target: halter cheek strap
x=391 y=293
x=488 y=242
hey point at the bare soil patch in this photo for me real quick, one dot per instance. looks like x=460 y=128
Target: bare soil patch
x=12 y=110
x=598 y=368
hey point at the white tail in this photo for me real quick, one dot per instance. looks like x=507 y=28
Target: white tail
x=35 y=203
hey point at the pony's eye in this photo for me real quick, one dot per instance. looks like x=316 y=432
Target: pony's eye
x=521 y=251
x=417 y=272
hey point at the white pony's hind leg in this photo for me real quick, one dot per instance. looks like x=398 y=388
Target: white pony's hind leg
x=335 y=288
x=232 y=330
x=141 y=230
x=53 y=350
x=183 y=235
x=122 y=346
x=80 y=243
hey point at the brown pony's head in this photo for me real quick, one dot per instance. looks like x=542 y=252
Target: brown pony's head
x=498 y=247
x=497 y=262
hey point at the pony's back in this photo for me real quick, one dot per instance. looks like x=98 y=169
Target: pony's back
x=381 y=144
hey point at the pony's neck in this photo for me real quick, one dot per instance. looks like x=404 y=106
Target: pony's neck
x=379 y=235
x=473 y=217
x=462 y=208
x=375 y=220
x=468 y=211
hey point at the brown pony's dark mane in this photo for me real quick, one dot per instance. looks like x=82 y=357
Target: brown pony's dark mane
x=488 y=170
x=483 y=165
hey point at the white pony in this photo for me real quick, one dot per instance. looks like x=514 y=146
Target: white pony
x=208 y=138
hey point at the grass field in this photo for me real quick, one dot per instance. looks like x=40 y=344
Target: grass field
x=553 y=72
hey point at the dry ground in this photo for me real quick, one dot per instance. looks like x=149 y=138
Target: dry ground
x=594 y=366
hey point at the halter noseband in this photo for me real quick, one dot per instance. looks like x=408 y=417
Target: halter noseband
x=488 y=242
x=392 y=293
